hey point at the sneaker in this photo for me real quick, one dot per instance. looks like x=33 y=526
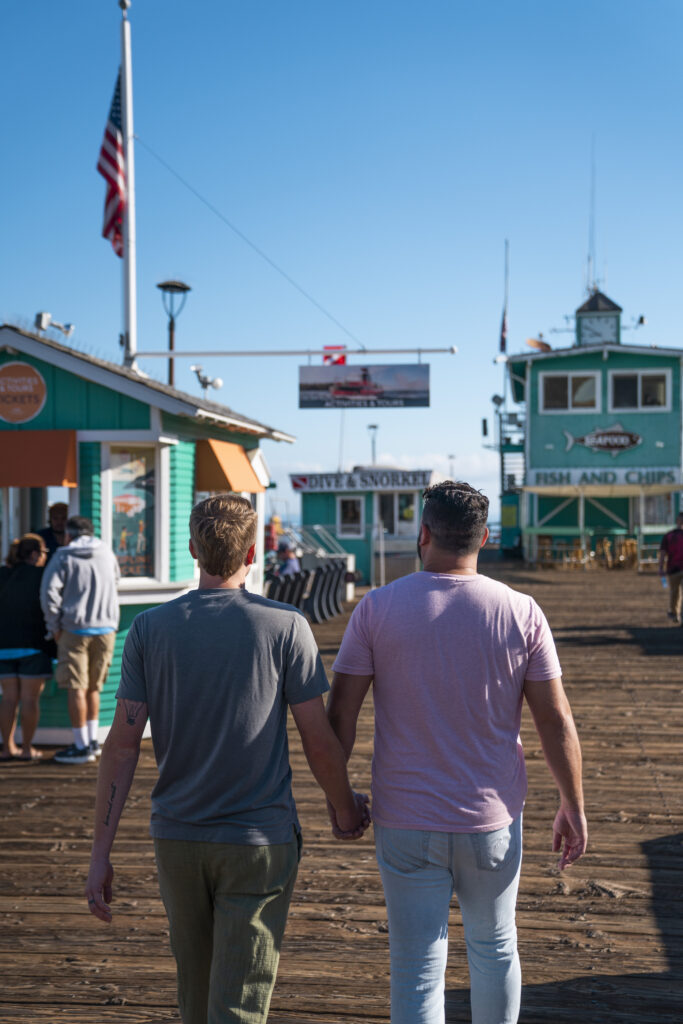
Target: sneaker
x=95 y=748
x=74 y=755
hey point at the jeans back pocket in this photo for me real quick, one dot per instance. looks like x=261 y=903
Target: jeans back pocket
x=494 y=850
x=404 y=849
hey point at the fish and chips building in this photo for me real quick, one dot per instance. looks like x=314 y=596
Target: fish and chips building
x=373 y=512
x=602 y=442
x=134 y=456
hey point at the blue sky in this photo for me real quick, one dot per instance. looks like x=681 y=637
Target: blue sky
x=380 y=153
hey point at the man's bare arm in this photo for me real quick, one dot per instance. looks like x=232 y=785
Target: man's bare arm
x=327 y=762
x=555 y=726
x=117 y=768
x=344 y=704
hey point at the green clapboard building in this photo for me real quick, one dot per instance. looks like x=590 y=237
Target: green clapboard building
x=602 y=440
x=373 y=512
x=134 y=455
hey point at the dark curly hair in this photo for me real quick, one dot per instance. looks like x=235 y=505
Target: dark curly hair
x=456 y=516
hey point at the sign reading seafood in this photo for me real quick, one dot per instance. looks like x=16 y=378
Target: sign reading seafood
x=605 y=439
x=364 y=387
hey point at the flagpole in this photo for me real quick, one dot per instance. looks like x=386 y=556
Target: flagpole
x=130 y=326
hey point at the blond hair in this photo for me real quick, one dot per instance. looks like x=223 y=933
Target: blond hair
x=22 y=548
x=222 y=528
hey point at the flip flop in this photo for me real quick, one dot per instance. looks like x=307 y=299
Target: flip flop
x=9 y=757
x=35 y=756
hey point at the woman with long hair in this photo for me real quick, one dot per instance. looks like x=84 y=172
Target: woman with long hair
x=25 y=661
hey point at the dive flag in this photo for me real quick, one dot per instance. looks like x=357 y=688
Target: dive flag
x=112 y=168
x=334 y=355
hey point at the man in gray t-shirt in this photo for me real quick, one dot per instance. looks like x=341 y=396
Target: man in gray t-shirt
x=215 y=671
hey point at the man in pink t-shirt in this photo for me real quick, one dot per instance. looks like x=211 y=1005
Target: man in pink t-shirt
x=451 y=655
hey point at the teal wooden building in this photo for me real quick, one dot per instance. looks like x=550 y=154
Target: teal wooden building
x=372 y=511
x=601 y=437
x=134 y=455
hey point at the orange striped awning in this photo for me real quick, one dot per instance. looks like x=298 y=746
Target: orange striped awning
x=224 y=466
x=38 y=458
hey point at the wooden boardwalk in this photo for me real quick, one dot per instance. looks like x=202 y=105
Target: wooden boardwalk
x=602 y=943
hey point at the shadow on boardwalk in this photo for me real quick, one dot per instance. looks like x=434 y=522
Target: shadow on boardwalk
x=599 y=944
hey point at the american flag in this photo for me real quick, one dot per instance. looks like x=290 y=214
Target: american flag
x=334 y=355
x=112 y=168
x=504 y=331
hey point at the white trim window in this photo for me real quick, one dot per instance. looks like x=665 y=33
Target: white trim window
x=350 y=516
x=640 y=390
x=397 y=511
x=569 y=392
x=133 y=509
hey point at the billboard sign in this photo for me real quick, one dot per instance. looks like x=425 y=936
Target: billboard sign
x=364 y=387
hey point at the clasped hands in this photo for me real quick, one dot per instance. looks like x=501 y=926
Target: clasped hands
x=353 y=824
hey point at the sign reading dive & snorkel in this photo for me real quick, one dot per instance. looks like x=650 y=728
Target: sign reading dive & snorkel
x=365 y=479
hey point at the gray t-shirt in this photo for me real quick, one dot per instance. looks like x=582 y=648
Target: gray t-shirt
x=217 y=669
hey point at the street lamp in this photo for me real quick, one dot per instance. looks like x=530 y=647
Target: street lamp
x=173 y=295
x=373 y=428
x=498 y=402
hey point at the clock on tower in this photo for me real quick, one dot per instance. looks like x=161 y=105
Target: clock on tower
x=598 y=321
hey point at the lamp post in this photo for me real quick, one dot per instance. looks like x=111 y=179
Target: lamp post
x=173 y=296
x=373 y=428
x=499 y=401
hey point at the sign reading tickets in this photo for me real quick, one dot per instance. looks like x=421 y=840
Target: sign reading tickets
x=364 y=387
x=22 y=392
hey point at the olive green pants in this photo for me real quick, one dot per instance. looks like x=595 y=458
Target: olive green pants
x=227 y=908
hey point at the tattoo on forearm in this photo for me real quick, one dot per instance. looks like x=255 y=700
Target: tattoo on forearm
x=133 y=709
x=112 y=794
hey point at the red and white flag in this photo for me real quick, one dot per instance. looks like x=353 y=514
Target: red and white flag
x=334 y=355
x=112 y=167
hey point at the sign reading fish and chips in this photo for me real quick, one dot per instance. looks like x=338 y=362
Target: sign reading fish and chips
x=22 y=392
x=337 y=386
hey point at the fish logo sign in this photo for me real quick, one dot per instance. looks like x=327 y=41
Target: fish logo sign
x=605 y=439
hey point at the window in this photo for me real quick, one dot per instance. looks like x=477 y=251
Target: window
x=407 y=523
x=387 y=515
x=350 y=517
x=640 y=389
x=397 y=513
x=658 y=509
x=569 y=392
x=133 y=486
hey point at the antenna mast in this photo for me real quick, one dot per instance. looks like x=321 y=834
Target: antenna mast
x=591 y=283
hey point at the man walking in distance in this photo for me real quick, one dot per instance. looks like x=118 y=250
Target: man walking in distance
x=81 y=607
x=671 y=563
x=215 y=671
x=451 y=654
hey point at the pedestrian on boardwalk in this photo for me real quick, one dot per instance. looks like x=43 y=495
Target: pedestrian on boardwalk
x=215 y=670
x=54 y=534
x=450 y=655
x=81 y=607
x=671 y=564
x=25 y=654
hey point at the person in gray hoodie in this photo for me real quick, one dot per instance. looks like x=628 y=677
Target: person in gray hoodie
x=79 y=599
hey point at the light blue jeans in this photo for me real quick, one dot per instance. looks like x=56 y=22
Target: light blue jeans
x=420 y=872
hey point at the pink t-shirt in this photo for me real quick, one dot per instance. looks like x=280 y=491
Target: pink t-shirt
x=449 y=656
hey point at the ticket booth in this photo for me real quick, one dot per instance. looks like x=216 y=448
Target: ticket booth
x=132 y=455
x=373 y=512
